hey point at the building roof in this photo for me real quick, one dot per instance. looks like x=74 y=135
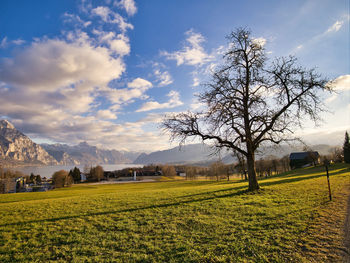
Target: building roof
x=302 y=155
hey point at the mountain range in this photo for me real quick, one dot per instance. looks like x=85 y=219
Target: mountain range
x=18 y=149
x=202 y=154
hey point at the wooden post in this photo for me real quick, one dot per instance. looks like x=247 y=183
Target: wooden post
x=326 y=163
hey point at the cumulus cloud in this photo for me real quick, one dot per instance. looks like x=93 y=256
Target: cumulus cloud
x=52 y=64
x=54 y=88
x=173 y=102
x=109 y=16
x=128 y=5
x=259 y=41
x=140 y=83
x=103 y=12
x=163 y=78
x=75 y=19
x=106 y=114
x=135 y=89
x=342 y=83
x=192 y=53
x=68 y=88
x=119 y=43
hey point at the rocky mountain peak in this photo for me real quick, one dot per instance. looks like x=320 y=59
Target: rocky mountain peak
x=83 y=144
x=5 y=124
x=17 y=147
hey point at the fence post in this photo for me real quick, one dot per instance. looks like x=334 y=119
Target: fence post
x=326 y=163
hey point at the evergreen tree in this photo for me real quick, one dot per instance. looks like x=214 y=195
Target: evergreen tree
x=76 y=174
x=346 y=148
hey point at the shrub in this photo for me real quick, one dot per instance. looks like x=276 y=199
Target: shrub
x=169 y=171
x=61 y=179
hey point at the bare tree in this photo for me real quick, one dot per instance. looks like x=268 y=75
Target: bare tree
x=96 y=173
x=169 y=171
x=216 y=170
x=336 y=154
x=241 y=164
x=250 y=101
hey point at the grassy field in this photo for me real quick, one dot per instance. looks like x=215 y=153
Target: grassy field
x=289 y=220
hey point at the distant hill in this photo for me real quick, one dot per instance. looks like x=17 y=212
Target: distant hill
x=191 y=153
x=83 y=153
x=200 y=154
x=17 y=148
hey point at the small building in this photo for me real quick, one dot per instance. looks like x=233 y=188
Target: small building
x=303 y=159
x=181 y=173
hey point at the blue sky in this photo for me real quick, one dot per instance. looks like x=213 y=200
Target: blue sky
x=106 y=72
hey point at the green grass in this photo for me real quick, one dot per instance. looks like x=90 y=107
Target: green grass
x=199 y=221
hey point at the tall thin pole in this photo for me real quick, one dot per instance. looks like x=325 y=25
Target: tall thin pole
x=329 y=185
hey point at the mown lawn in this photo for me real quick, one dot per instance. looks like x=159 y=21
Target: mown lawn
x=187 y=221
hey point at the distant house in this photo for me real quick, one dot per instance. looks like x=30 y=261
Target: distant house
x=303 y=159
x=181 y=173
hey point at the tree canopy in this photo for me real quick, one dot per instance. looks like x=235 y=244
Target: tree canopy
x=251 y=100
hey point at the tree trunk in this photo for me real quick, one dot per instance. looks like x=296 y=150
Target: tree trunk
x=253 y=182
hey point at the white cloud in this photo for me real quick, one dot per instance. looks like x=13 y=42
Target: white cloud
x=135 y=90
x=117 y=43
x=106 y=114
x=3 y=42
x=108 y=16
x=196 y=82
x=120 y=45
x=75 y=19
x=192 y=53
x=103 y=12
x=53 y=64
x=335 y=27
x=56 y=89
x=18 y=41
x=259 y=41
x=163 y=78
x=140 y=83
x=342 y=83
x=173 y=102
x=128 y=5
x=196 y=104
x=152 y=118
x=331 y=98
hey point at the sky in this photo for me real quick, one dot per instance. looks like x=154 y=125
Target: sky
x=106 y=72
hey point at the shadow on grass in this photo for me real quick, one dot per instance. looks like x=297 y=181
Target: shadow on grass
x=127 y=210
x=238 y=191
x=314 y=173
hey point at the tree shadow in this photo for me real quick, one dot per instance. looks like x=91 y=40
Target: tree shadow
x=238 y=191
x=125 y=210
